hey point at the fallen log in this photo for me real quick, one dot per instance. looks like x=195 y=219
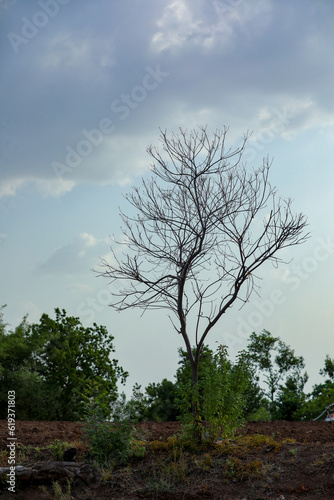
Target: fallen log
x=54 y=471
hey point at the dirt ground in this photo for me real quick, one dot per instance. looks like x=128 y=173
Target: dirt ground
x=43 y=433
x=303 y=467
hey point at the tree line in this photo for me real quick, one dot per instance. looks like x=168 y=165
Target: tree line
x=57 y=367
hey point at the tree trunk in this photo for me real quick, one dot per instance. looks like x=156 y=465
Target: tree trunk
x=195 y=401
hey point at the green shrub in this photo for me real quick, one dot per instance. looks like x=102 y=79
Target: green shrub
x=58 y=448
x=219 y=397
x=109 y=442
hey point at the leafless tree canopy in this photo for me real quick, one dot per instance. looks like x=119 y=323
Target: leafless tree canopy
x=204 y=224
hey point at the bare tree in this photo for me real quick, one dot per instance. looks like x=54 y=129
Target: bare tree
x=197 y=238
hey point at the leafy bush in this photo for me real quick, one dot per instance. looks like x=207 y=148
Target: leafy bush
x=58 y=448
x=109 y=443
x=220 y=396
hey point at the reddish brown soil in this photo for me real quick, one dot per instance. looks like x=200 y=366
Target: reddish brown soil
x=43 y=433
x=302 y=469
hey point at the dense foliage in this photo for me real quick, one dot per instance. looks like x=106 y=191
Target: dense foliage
x=281 y=372
x=221 y=395
x=321 y=396
x=55 y=366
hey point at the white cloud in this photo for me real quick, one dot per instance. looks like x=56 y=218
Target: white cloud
x=288 y=119
x=54 y=187
x=47 y=187
x=88 y=239
x=230 y=62
x=8 y=187
x=217 y=25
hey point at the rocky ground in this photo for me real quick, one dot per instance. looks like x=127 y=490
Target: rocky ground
x=300 y=465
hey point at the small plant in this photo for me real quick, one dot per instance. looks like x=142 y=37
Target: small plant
x=23 y=452
x=109 y=442
x=138 y=449
x=237 y=470
x=256 y=441
x=254 y=469
x=231 y=467
x=242 y=446
x=167 y=473
x=106 y=475
x=288 y=441
x=320 y=461
x=205 y=462
x=81 y=450
x=156 y=484
x=293 y=451
x=58 y=448
x=58 y=493
x=176 y=471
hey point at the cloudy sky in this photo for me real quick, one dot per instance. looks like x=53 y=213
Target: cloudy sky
x=86 y=86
